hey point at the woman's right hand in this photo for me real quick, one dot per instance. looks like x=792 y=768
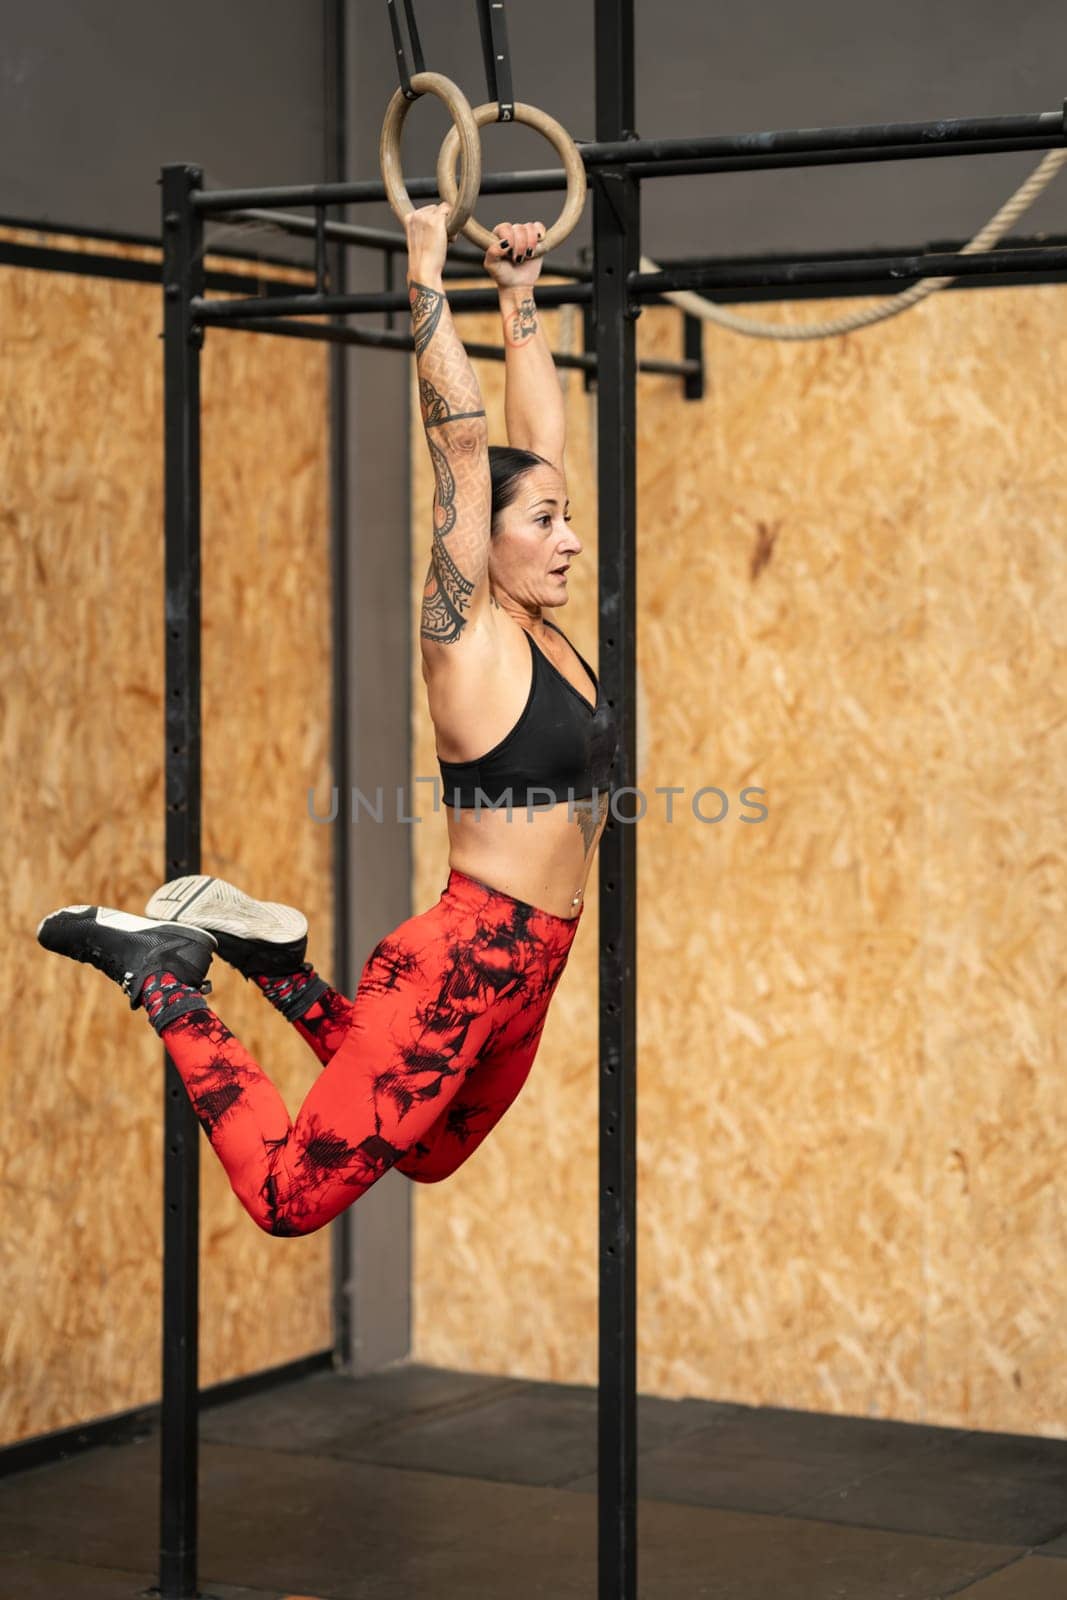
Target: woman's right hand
x=507 y=260
x=427 y=235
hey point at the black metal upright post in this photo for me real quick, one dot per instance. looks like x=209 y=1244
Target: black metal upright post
x=616 y=235
x=183 y=280
x=336 y=161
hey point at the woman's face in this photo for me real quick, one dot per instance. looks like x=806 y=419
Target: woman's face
x=533 y=547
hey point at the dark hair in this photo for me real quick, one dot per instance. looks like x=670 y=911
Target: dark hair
x=507 y=468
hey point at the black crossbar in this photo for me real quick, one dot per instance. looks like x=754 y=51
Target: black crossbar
x=387 y=339
x=321 y=305
x=386 y=239
x=650 y=158
x=800 y=274
x=646 y=286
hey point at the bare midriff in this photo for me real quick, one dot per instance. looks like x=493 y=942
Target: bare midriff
x=543 y=855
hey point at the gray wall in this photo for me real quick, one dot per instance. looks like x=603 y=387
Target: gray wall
x=94 y=99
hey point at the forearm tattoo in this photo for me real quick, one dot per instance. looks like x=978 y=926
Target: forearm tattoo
x=523 y=324
x=426 y=307
x=589 y=820
x=448 y=392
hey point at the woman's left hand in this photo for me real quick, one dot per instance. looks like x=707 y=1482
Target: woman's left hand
x=508 y=262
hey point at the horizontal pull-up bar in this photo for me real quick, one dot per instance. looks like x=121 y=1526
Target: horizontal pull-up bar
x=544 y=180
x=386 y=339
x=326 y=305
x=798 y=274
x=650 y=158
x=645 y=286
x=370 y=238
x=781 y=160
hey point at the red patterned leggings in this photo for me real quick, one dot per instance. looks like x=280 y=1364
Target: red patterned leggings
x=420 y=1066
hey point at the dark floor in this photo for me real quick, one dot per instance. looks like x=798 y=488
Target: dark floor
x=423 y=1484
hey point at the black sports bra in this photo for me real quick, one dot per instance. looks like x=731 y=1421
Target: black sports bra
x=561 y=748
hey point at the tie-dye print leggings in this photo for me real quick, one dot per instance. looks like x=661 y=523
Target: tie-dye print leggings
x=419 y=1067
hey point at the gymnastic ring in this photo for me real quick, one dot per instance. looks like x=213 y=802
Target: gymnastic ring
x=565 y=148
x=464 y=132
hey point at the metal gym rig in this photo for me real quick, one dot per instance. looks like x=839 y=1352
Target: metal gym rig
x=611 y=294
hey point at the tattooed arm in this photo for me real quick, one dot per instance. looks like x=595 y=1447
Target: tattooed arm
x=457 y=582
x=533 y=400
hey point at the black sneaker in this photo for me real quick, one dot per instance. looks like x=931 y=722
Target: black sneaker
x=128 y=948
x=259 y=937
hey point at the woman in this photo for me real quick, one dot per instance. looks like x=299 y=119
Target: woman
x=450 y=1007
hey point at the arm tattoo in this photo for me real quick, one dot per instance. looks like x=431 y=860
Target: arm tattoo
x=447 y=592
x=448 y=391
x=425 y=313
x=588 y=821
x=524 y=322
x=445 y=502
x=445 y=597
x=436 y=409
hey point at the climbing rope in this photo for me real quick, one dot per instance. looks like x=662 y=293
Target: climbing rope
x=696 y=306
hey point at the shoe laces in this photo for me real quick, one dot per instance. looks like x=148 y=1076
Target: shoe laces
x=111 y=965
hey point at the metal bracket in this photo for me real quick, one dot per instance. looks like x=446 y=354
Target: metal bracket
x=693 y=350
x=606 y=181
x=417 y=63
x=494 y=32
x=589 y=346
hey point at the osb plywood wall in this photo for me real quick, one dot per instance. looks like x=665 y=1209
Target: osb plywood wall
x=852 y=1126
x=82 y=739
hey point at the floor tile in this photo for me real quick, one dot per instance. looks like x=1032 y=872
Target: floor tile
x=1032 y=1577
x=537 y=1434
x=765 y=1459
x=687 y=1553
x=929 y=1496
x=326 y=1407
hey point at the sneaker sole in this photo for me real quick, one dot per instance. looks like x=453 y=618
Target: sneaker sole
x=126 y=922
x=199 y=901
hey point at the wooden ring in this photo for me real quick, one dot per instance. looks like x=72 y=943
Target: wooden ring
x=566 y=149
x=464 y=134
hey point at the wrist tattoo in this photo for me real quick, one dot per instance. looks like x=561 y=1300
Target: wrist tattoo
x=426 y=306
x=524 y=321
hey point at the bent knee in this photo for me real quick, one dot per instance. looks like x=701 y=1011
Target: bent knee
x=427 y=1170
x=283 y=1224
x=292 y=1227
x=284 y=1212
x=429 y=1177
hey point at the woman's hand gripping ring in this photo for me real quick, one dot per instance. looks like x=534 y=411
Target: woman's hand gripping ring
x=567 y=151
